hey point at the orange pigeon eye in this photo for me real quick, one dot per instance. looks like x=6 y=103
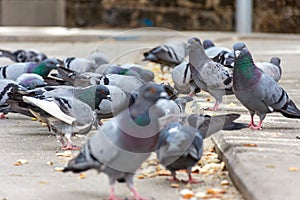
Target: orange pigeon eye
x=152 y=90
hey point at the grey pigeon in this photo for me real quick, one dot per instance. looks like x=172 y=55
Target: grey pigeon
x=169 y=54
x=31 y=81
x=23 y=55
x=98 y=57
x=258 y=92
x=88 y=78
x=80 y=64
x=122 y=144
x=6 y=86
x=126 y=69
x=208 y=75
x=183 y=82
x=43 y=68
x=180 y=143
x=66 y=115
x=220 y=55
x=271 y=68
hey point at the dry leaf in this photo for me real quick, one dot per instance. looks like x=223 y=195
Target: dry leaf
x=224 y=182
x=141 y=177
x=174 y=185
x=42 y=182
x=50 y=163
x=215 y=191
x=21 y=162
x=59 y=169
x=186 y=193
x=163 y=173
x=82 y=176
x=250 y=145
x=65 y=154
x=33 y=119
x=293 y=169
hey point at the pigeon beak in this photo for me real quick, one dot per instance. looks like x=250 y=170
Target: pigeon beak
x=163 y=95
x=188 y=45
x=237 y=53
x=108 y=97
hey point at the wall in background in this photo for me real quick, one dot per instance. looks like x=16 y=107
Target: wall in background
x=209 y=15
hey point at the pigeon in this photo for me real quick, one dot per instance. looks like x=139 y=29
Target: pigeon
x=180 y=143
x=173 y=104
x=257 y=91
x=6 y=86
x=98 y=57
x=127 y=69
x=43 y=68
x=119 y=100
x=31 y=81
x=67 y=114
x=169 y=54
x=183 y=82
x=64 y=116
x=88 y=78
x=122 y=144
x=208 y=75
x=23 y=55
x=220 y=55
x=271 y=68
x=80 y=64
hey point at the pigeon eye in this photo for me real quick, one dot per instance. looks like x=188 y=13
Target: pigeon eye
x=152 y=90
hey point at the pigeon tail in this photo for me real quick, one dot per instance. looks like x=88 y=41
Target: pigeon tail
x=84 y=161
x=8 y=54
x=150 y=57
x=216 y=123
x=290 y=110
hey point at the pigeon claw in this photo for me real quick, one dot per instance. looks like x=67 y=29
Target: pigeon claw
x=71 y=147
x=2 y=116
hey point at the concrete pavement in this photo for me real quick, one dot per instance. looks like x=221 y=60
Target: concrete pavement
x=262 y=164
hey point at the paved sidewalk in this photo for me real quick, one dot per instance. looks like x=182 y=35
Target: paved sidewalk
x=262 y=164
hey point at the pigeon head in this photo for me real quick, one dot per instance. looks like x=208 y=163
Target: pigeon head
x=152 y=92
x=208 y=43
x=194 y=40
x=238 y=48
x=102 y=92
x=275 y=60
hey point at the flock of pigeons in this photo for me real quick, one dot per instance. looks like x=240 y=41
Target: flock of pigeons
x=75 y=94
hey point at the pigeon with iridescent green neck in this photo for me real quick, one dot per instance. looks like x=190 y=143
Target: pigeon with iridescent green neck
x=43 y=68
x=257 y=91
x=122 y=144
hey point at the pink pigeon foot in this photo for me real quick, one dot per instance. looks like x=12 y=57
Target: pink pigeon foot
x=136 y=194
x=70 y=147
x=2 y=116
x=215 y=108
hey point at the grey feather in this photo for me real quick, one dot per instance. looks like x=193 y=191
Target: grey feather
x=271 y=68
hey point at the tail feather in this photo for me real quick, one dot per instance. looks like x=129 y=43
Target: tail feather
x=8 y=54
x=216 y=123
x=84 y=161
x=290 y=110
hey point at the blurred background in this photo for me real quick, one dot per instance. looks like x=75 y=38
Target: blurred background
x=278 y=16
